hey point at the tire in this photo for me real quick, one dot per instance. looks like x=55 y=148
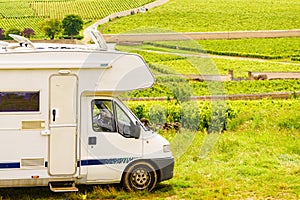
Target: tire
x=140 y=176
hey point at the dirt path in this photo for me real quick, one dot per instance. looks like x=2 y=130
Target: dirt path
x=200 y=35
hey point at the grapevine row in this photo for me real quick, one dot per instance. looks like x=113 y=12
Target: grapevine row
x=29 y=13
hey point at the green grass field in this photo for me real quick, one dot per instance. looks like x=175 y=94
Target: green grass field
x=203 y=16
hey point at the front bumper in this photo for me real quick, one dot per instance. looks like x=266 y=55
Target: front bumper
x=165 y=166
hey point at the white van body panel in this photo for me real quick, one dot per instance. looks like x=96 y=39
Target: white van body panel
x=49 y=132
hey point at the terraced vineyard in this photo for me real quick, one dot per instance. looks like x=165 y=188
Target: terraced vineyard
x=174 y=61
x=171 y=64
x=267 y=48
x=31 y=13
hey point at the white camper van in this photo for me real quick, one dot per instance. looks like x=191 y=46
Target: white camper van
x=62 y=124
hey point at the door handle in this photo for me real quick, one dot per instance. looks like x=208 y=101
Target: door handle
x=53 y=114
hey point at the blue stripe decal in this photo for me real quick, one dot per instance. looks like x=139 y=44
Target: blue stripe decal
x=9 y=165
x=107 y=161
x=79 y=163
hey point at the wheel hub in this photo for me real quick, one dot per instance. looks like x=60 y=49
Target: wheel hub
x=140 y=178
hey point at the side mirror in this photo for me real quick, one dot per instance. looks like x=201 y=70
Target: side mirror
x=135 y=131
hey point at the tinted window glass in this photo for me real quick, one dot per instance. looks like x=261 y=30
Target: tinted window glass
x=124 y=122
x=103 y=118
x=19 y=101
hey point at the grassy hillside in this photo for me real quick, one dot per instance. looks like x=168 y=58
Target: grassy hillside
x=214 y=15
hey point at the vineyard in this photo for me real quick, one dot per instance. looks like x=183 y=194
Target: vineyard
x=170 y=63
x=234 y=110
x=257 y=156
x=206 y=16
x=171 y=60
x=30 y=14
x=163 y=88
x=275 y=48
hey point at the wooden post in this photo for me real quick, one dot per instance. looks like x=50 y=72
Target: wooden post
x=230 y=73
x=250 y=75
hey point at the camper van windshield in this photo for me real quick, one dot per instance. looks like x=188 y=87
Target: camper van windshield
x=19 y=101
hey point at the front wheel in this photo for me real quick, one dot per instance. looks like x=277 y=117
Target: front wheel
x=140 y=176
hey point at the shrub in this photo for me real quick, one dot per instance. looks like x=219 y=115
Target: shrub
x=72 y=24
x=139 y=111
x=182 y=92
x=2 y=35
x=28 y=32
x=173 y=113
x=190 y=115
x=12 y=31
x=295 y=58
x=157 y=115
x=52 y=28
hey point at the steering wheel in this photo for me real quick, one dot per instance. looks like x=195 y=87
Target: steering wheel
x=103 y=121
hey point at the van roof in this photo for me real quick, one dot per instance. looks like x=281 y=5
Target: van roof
x=117 y=71
x=24 y=44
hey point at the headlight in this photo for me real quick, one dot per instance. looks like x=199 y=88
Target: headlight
x=166 y=148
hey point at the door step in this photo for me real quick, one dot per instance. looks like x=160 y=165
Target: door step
x=63 y=187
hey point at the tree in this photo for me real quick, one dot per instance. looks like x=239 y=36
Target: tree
x=2 y=36
x=12 y=31
x=72 y=24
x=52 y=27
x=28 y=32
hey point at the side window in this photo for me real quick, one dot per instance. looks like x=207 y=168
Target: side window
x=19 y=101
x=123 y=121
x=103 y=118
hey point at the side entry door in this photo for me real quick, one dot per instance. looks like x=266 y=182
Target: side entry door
x=63 y=125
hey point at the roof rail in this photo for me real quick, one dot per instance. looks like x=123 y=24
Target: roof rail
x=98 y=39
x=22 y=41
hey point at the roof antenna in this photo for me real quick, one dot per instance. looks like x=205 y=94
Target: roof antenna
x=98 y=39
x=22 y=40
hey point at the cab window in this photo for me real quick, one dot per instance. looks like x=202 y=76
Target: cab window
x=124 y=123
x=103 y=117
x=108 y=116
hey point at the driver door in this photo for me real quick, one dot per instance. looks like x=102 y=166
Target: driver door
x=110 y=146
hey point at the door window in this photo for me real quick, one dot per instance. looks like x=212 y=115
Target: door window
x=103 y=118
x=124 y=122
x=110 y=117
